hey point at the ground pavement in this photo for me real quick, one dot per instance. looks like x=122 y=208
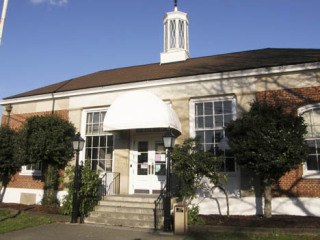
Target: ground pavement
x=61 y=231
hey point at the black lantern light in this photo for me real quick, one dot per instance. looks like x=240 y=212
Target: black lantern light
x=169 y=139
x=78 y=143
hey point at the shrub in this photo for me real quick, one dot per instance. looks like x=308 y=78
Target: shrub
x=89 y=192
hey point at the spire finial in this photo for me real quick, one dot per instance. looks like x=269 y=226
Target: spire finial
x=176 y=5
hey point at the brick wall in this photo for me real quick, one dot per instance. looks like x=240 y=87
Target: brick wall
x=19 y=181
x=16 y=121
x=292 y=98
x=292 y=184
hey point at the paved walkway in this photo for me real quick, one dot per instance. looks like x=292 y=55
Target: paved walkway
x=60 y=231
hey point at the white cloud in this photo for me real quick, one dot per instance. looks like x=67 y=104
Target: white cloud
x=51 y=2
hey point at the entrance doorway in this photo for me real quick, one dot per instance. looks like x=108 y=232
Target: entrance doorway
x=148 y=164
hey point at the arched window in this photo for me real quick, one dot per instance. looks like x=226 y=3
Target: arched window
x=311 y=115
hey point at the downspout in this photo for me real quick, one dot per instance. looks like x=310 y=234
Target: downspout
x=8 y=110
x=53 y=102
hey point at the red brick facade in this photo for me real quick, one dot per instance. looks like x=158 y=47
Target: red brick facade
x=293 y=184
x=19 y=181
x=16 y=121
x=293 y=98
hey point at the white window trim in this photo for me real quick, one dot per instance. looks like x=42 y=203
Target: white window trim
x=83 y=131
x=307 y=108
x=26 y=172
x=192 y=102
x=309 y=174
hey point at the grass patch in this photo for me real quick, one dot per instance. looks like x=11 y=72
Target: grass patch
x=12 y=220
x=244 y=236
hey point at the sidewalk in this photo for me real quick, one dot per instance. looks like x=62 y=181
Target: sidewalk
x=60 y=231
x=63 y=231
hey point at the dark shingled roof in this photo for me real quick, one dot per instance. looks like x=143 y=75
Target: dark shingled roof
x=268 y=57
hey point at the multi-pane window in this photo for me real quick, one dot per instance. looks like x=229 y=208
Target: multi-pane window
x=312 y=119
x=99 y=144
x=143 y=158
x=160 y=159
x=210 y=119
x=33 y=169
x=34 y=166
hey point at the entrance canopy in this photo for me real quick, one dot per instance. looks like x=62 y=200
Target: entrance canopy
x=140 y=110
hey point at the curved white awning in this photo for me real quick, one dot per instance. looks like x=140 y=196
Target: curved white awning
x=140 y=110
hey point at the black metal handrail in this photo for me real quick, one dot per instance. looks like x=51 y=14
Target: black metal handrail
x=103 y=186
x=158 y=208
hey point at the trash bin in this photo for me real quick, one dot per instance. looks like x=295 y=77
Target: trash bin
x=180 y=215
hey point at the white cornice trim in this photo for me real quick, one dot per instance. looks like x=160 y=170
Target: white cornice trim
x=168 y=81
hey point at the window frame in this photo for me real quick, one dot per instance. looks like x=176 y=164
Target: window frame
x=31 y=172
x=310 y=174
x=84 y=134
x=192 y=116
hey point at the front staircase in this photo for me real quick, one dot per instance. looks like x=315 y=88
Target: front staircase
x=135 y=211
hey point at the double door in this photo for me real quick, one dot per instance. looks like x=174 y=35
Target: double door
x=148 y=165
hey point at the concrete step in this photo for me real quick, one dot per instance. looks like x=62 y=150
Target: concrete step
x=105 y=208
x=120 y=222
x=127 y=204
x=132 y=198
x=127 y=216
x=124 y=210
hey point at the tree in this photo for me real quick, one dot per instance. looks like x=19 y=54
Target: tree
x=8 y=165
x=191 y=164
x=47 y=139
x=268 y=141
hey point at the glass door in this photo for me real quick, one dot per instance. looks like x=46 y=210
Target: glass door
x=149 y=166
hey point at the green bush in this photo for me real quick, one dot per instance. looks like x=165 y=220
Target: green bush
x=193 y=216
x=89 y=192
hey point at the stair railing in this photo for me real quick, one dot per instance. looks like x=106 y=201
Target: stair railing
x=110 y=183
x=158 y=210
x=103 y=187
x=114 y=186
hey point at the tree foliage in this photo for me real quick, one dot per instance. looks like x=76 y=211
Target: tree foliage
x=8 y=164
x=46 y=139
x=191 y=164
x=269 y=142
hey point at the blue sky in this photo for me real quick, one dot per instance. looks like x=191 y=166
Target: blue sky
x=48 y=41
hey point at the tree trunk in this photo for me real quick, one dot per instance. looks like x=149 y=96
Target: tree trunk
x=1 y=193
x=50 y=186
x=267 y=200
x=227 y=199
x=3 y=186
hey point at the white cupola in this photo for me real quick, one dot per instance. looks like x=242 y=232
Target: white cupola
x=176 y=37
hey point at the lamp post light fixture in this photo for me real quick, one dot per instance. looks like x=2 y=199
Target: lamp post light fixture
x=168 y=141
x=78 y=144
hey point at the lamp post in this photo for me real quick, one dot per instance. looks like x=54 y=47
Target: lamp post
x=78 y=144
x=168 y=141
